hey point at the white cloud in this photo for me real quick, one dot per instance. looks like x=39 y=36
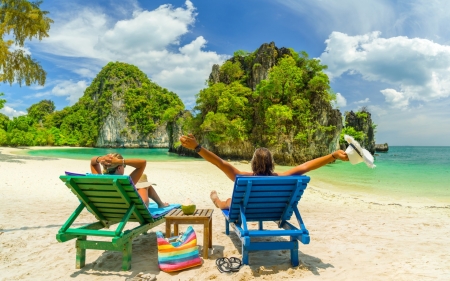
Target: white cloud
x=340 y=100
x=11 y=112
x=414 y=18
x=396 y=99
x=146 y=39
x=418 y=68
x=350 y=16
x=72 y=90
x=364 y=101
x=85 y=72
x=423 y=125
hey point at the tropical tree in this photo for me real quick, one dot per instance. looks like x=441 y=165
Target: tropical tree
x=25 y=21
x=41 y=109
x=2 y=101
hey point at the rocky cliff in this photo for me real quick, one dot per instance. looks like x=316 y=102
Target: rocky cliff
x=129 y=110
x=383 y=147
x=362 y=121
x=299 y=141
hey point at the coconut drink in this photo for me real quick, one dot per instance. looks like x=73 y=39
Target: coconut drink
x=188 y=207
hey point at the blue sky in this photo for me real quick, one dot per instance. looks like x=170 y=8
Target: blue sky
x=391 y=56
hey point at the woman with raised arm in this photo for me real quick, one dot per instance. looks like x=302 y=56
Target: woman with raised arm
x=114 y=164
x=262 y=165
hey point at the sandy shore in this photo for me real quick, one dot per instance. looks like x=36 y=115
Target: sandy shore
x=352 y=238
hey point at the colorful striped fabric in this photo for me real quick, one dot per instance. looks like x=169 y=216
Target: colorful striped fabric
x=178 y=255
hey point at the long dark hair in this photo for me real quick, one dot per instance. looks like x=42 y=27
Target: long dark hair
x=262 y=162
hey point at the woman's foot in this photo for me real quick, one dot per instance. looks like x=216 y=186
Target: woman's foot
x=214 y=197
x=163 y=205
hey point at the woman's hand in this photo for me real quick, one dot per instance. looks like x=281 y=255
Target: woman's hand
x=106 y=160
x=340 y=154
x=189 y=141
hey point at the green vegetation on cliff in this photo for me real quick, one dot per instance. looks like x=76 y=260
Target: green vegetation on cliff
x=283 y=112
x=120 y=85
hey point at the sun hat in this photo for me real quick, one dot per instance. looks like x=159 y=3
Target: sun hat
x=143 y=182
x=356 y=154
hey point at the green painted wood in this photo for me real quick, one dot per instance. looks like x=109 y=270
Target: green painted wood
x=120 y=212
x=90 y=232
x=72 y=184
x=112 y=199
x=108 y=205
x=105 y=187
x=109 y=193
x=98 y=245
x=63 y=237
x=72 y=218
x=80 y=259
x=125 y=196
x=120 y=207
x=98 y=179
x=126 y=256
x=125 y=219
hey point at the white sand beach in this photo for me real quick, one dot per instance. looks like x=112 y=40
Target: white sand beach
x=352 y=238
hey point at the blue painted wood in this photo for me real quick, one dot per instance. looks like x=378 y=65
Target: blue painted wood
x=267 y=199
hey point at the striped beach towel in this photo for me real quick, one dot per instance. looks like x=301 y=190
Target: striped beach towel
x=178 y=255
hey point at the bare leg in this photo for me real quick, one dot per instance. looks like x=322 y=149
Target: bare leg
x=219 y=203
x=144 y=195
x=154 y=196
x=149 y=192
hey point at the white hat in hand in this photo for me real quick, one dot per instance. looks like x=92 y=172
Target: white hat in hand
x=357 y=154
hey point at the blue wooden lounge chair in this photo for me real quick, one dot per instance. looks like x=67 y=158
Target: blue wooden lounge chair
x=111 y=199
x=260 y=199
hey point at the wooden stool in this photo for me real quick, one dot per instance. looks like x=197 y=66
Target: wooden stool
x=201 y=216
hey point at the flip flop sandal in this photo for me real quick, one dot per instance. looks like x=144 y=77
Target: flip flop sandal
x=223 y=265
x=235 y=264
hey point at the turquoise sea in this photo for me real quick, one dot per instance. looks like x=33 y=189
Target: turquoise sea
x=149 y=154
x=405 y=172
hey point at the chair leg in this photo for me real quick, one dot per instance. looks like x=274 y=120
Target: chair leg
x=126 y=256
x=245 y=251
x=294 y=252
x=227 y=227
x=80 y=260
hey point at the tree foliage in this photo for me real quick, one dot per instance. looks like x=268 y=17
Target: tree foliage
x=41 y=109
x=280 y=109
x=2 y=101
x=119 y=88
x=24 y=21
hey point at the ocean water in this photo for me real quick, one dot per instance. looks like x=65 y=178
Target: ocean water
x=417 y=173
x=149 y=154
x=405 y=172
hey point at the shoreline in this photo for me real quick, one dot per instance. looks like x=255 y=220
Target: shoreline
x=320 y=183
x=351 y=238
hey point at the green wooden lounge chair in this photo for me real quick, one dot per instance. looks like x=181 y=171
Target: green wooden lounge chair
x=263 y=199
x=111 y=199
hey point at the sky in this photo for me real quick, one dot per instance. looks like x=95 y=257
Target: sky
x=392 y=57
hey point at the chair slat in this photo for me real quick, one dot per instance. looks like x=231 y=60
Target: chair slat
x=271 y=198
x=105 y=187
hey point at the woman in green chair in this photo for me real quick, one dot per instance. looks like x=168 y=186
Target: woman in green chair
x=262 y=165
x=114 y=164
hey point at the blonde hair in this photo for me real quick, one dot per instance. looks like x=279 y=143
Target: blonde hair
x=262 y=162
x=111 y=169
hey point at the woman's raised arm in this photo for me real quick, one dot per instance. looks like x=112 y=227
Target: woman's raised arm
x=190 y=142
x=315 y=163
